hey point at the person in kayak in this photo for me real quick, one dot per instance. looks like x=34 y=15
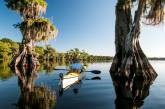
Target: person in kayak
x=76 y=66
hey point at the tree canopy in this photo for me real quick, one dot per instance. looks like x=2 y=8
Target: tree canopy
x=38 y=29
x=153 y=10
x=27 y=8
x=34 y=26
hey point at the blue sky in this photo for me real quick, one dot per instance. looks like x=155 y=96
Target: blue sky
x=87 y=25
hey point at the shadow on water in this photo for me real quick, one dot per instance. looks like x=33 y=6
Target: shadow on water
x=33 y=96
x=130 y=94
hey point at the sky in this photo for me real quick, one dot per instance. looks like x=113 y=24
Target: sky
x=85 y=24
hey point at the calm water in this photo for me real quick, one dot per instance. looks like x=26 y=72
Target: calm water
x=89 y=94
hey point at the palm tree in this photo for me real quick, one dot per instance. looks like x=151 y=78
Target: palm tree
x=33 y=27
x=50 y=53
x=84 y=55
x=129 y=59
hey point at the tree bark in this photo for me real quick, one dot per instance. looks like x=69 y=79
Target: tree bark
x=25 y=58
x=130 y=60
x=122 y=28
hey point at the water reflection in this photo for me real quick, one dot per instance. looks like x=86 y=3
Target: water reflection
x=33 y=96
x=130 y=94
x=94 y=78
x=5 y=71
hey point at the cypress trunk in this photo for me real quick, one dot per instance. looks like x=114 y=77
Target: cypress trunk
x=26 y=58
x=129 y=59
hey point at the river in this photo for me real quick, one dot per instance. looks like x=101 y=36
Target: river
x=95 y=91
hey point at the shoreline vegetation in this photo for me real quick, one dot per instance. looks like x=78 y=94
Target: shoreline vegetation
x=48 y=56
x=9 y=48
x=34 y=27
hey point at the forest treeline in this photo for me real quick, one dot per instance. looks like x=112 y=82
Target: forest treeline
x=9 y=48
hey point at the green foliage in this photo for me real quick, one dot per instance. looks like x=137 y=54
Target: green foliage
x=92 y=58
x=5 y=71
x=50 y=53
x=50 y=49
x=16 y=5
x=34 y=26
x=7 y=40
x=41 y=2
x=8 y=48
x=19 y=5
x=40 y=29
x=39 y=50
x=47 y=52
x=76 y=53
x=4 y=49
x=14 y=46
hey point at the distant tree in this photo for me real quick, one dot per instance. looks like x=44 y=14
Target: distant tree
x=84 y=55
x=7 y=40
x=39 y=52
x=13 y=46
x=76 y=53
x=50 y=53
x=129 y=59
x=33 y=27
x=61 y=56
x=4 y=51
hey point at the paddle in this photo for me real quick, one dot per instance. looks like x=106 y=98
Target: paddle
x=94 y=78
x=92 y=71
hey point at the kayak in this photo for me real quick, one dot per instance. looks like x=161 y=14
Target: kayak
x=70 y=79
